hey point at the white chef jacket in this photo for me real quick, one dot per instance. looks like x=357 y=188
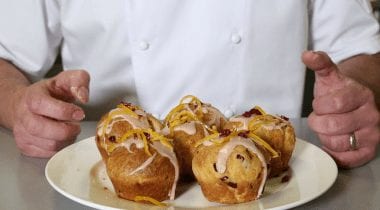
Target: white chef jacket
x=233 y=54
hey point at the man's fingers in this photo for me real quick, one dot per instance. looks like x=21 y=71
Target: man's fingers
x=366 y=137
x=351 y=159
x=72 y=83
x=34 y=151
x=23 y=138
x=339 y=124
x=342 y=100
x=46 y=128
x=41 y=103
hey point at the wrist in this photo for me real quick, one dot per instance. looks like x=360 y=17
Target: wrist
x=11 y=106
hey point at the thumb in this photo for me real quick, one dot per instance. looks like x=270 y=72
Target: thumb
x=327 y=76
x=71 y=85
x=325 y=69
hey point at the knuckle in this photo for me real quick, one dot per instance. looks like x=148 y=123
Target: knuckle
x=332 y=124
x=337 y=102
x=334 y=143
x=32 y=127
x=316 y=104
x=34 y=103
x=69 y=130
x=337 y=145
x=66 y=111
x=51 y=145
x=372 y=115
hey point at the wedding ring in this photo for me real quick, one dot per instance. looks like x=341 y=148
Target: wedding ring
x=353 y=142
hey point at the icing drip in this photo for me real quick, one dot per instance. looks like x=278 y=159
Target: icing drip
x=144 y=165
x=274 y=126
x=188 y=128
x=166 y=152
x=128 y=143
x=141 y=122
x=216 y=116
x=135 y=122
x=244 y=122
x=165 y=131
x=227 y=149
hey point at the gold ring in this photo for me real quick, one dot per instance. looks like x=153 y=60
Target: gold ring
x=353 y=142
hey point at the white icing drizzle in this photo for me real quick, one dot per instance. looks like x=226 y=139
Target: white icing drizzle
x=166 y=152
x=128 y=143
x=207 y=143
x=140 y=112
x=164 y=131
x=226 y=151
x=216 y=116
x=144 y=165
x=188 y=128
x=243 y=120
x=136 y=123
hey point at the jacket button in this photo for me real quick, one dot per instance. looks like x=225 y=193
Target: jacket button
x=143 y=45
x=236 y=38
x=228 y=113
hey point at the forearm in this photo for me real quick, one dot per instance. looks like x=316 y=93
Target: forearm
x=11 y=80
x=366 y=70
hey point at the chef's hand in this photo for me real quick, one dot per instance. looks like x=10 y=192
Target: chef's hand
x=342 y=107
x=44 y=118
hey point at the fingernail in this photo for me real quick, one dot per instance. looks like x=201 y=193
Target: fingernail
x=83 y=94
x=78 y=115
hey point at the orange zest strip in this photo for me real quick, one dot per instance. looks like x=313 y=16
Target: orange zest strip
x=150 y=200
x=263 y=143
x=141 y=134
x=182 y=113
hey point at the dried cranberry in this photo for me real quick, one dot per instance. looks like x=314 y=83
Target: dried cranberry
x=147 y=135
x=224 y=133
x=224 y=178
x=284 y=118
x=247 y=114
x=255 y=111
x=232 y=184
x=251 y=112
x=243 y=134
x=112 y=139
x=240 y=157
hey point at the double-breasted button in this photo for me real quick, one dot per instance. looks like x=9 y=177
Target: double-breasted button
x=228 y=113
x=235 y=38
x=143 y=45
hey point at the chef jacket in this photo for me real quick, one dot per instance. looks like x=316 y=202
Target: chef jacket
x=234 y=54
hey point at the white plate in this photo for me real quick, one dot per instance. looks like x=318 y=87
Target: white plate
x=78 y=173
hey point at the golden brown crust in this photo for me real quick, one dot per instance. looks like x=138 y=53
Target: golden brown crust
x=245 y=173
x=117 y=131
x=214 y=118
x=239 y=183
x=282 y=139
x=154 y=123
x=278 y=133
x=184 y=146
x=154 y=181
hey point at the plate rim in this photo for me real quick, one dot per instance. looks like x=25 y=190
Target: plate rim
x=88 y=203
